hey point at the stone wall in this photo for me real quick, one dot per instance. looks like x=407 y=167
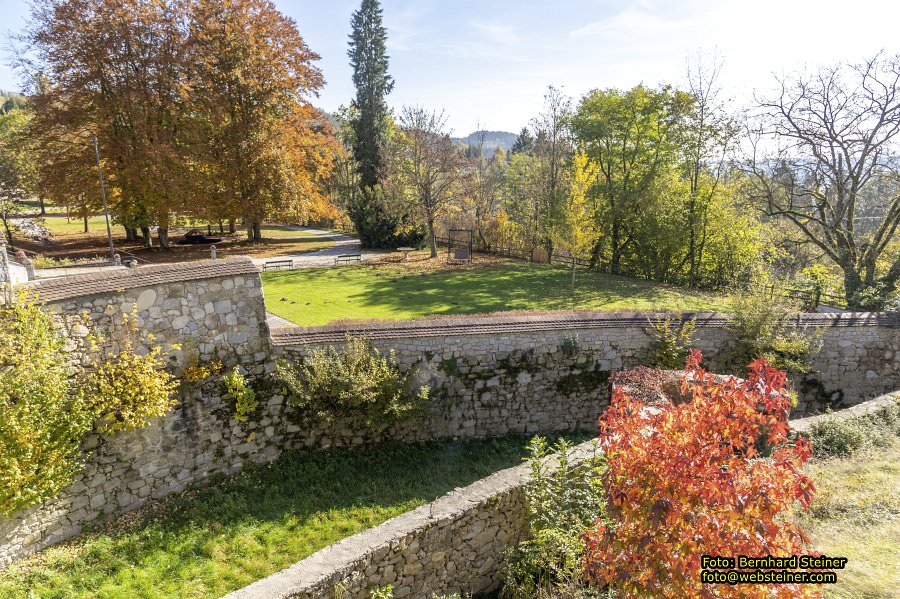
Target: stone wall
x=548 y=370
x=213 y=310
x=452 y=545
x=489 y=376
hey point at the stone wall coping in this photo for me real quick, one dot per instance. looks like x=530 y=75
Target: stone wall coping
x=555 y=321
x=342 y=558
x=63 y=288
x=804 y=425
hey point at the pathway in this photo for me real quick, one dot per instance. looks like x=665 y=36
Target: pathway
x=343 y=244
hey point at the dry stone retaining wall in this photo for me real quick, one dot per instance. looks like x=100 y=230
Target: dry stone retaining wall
x=452 y=545
x=489 y=376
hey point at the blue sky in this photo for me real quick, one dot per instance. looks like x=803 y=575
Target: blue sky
x=488 y=62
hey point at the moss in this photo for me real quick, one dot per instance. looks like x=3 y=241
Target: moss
x=586 y=380
x=450 y=367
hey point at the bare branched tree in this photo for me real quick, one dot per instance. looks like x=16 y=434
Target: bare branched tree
x=429 y=162
x=825 y=156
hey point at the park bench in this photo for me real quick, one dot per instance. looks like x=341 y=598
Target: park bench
x=347 y=258
x=278 y=264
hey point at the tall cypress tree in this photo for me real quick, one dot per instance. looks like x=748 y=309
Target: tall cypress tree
x=370 y=76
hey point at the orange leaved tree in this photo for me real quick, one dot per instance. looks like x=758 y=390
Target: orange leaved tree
x=689 y=480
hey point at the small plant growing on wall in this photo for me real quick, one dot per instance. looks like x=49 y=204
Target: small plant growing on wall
x=672 y=341
x=130 y=388
x=564 y=497
x=358 y=385
x=766 y=328
x=241 y=392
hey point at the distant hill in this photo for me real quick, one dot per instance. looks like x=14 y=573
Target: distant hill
x=492 y=140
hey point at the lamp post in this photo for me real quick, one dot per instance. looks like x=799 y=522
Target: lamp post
x=112 y=251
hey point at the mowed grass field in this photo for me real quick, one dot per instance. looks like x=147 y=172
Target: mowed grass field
x=399 y=291
x=210 y=541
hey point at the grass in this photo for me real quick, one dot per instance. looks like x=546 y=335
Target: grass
x=400 y=291
x=60 y=226
x=856 y=514
x=210 y=541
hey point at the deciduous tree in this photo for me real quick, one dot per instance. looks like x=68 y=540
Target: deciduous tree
x=825 y=156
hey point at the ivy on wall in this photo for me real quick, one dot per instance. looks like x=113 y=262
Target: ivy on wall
x=45 y=411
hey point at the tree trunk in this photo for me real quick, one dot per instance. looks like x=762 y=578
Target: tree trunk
x=616 y=250
x=43 y=207
x=231 y=227
x=257 y=232
x=130 y=233
x=852 y=285
x=431 y=239
x=148 y=240
x=85 y=217
x=162 y=233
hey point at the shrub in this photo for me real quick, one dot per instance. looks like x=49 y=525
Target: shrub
x=844 y=437
x=672 y=341
x=42 y=419
x=687 y=480
x=357 y=385
x=241 y=393
x=765 y=328
x=564 y=497
x=128 y=389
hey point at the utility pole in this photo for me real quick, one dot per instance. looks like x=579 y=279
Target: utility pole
x=112 y=251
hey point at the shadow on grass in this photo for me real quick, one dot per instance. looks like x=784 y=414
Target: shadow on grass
x=209 y=541
x=378 y=291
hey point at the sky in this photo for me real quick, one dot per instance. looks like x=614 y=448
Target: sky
x=488 y=63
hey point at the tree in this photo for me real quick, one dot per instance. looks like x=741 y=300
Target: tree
x=16 y=163
x=709 y=133
x=825 y=157
x=115 y=69
x=369 y=61
x=553 y=148
x=632 y=137
x=266 y=149
x=524 y=142
x=577 y=232
x=689 y=480
x=429 y=163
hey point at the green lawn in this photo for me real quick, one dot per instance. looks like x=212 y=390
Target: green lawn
x=394 y=291
x=208 y=542
x=59 y=225
x=856 y=514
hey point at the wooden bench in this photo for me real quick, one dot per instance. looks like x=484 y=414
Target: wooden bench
x=278 y=265
x=347 y=258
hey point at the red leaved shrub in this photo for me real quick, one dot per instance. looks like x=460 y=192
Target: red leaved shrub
x=687 y=479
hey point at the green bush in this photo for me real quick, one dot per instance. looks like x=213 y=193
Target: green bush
x=844 y=437
x=564 y=497
x=357 y=385
x=241 y=393
x=42 y=418
x=765 y=327
x=672 y=342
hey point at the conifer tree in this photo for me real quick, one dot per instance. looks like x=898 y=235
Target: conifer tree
x=372 y=81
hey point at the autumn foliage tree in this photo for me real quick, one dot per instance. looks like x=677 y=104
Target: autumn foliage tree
x=201 y=109
x=690 y=479
x=266 y=148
